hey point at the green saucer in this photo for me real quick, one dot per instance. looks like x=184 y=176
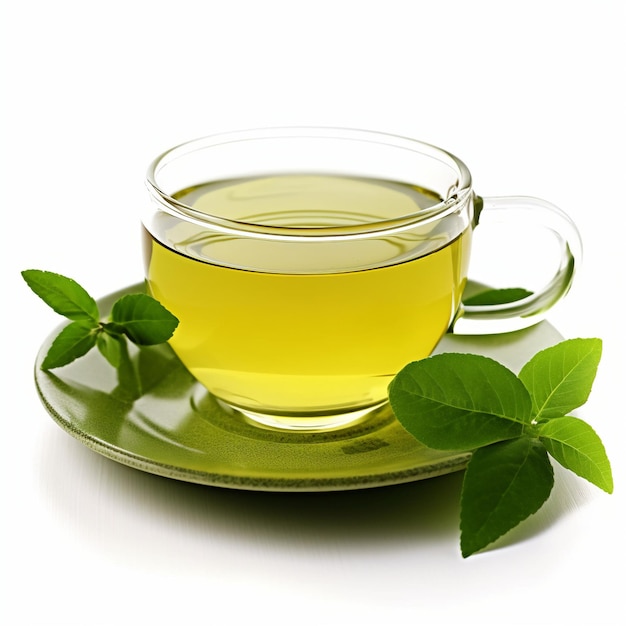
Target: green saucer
x=164 y=422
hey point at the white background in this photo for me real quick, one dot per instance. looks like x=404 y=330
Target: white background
x=529 y=94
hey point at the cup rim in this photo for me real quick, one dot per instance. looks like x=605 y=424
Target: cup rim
x=456 y=197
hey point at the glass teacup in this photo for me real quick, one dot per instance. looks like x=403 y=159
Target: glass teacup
x=307 y=266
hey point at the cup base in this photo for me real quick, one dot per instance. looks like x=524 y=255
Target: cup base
x=304 y=423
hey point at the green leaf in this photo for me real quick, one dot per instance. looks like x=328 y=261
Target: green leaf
x=577 y=447
x=144 y=320
x=560 y=378
x=497 y=296
x=504 y=484
x=72 y=342
x=63 y=294
x=111 y=347
x=459 y=401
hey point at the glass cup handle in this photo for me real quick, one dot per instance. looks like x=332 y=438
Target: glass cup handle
x=500 y=318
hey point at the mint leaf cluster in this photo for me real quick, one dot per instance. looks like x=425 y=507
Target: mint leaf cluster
x=137 y=317
x=511 y=424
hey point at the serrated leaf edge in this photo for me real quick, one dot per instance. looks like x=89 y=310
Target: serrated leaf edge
x=538 y=413
x=531 y=511
x=50 y=362
x=607 y=484
x=81 y=314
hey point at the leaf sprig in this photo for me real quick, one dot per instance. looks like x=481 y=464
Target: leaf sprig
x=510 y=424
x=137 y=317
